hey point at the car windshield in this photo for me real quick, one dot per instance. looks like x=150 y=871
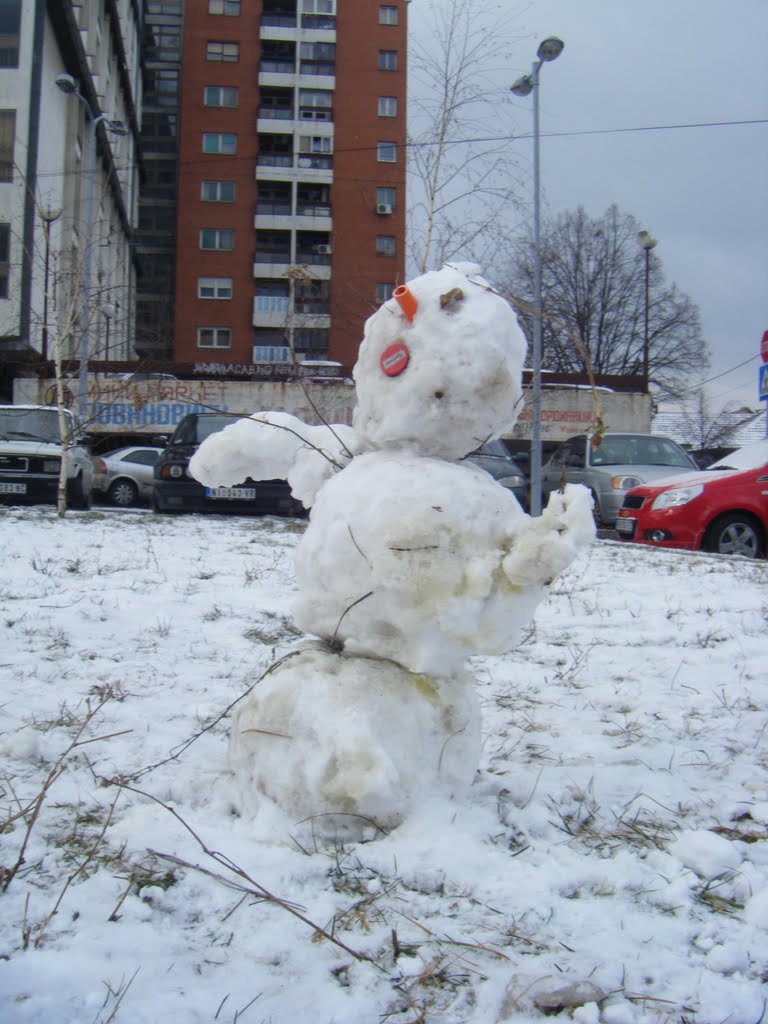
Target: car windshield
x=195 y=429
x=751 y=456
x=640 y=450
x=29 y=424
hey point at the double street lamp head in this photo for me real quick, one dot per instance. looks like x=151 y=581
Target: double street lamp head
x=549 y=49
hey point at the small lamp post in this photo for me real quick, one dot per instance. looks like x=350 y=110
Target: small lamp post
x=549 y=50
x=69 y=85
x=647 y=242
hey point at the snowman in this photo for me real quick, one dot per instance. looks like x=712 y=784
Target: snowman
x=413 y=560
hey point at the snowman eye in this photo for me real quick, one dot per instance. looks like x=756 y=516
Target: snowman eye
x=439 y=394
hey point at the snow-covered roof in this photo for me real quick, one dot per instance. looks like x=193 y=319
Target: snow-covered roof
x=732 y=429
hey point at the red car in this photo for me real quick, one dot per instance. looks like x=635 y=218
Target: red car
x=724 y=508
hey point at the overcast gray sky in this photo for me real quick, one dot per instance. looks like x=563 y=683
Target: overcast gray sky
x=701 y=191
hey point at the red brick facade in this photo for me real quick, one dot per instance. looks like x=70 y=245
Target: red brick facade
x=302 y=187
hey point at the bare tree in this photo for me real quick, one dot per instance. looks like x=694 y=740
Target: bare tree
x=461 y=180
x=593 y=281
x=707 y=429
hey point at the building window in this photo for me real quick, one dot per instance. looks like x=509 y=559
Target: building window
x=387 y=60
x=214 y=337
x=387 y=106
x=161 y=88
x=387 y=14
x=219 y=142
x=220 y=96
x=227 y=52
x=315 y=105
x=386 y=152
x=318 y=6
x=10 y=24
x=271 y=296
x=7 y=134
x=5 y=242
x=214 y=287
x=384 y=291
x=163 y=44
x=310 y=340
x=315 y=144
x=385 y=200
x=217 y=191
x=317 y=58
x=217 y=238
x=230 y=7
x=270 y=346
x=385 y=245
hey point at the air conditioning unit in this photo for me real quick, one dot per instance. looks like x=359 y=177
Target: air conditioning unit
x=384 y=208
x=324 y=250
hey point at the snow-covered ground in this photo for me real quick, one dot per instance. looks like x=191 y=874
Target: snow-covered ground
x=612 y=857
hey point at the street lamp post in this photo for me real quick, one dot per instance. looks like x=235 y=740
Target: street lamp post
x=48 y=217
x=647 y=242
x=68 y=85
x=549 y=50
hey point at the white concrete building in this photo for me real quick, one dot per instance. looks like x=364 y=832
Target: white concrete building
x=68 y=178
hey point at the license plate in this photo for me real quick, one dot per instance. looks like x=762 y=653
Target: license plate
x=232 y=493
x=625 y=526
x=13 y=488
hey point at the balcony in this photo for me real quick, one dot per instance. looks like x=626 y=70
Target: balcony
x=273 y=208
x=274 y=160
x=314 y=162
x=278 y=20
x=313 y=209
x=326 y=68
x=276 y=66
x=274 y=257
x=271 y=304
x=313 y=258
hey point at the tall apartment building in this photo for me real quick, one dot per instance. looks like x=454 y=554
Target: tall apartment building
x=156 y=236
x=291 y=187
x=69 y=92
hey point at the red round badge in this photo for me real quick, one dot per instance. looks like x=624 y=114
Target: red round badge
x=394 y=359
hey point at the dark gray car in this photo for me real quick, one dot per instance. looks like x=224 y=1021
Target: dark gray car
x=613 y=465
x=494 y=458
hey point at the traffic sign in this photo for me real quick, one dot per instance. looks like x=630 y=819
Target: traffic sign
x=764 y=347
x=762 y=381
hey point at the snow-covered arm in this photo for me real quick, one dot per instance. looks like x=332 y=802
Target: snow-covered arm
x=275 y=446
x=547 y=544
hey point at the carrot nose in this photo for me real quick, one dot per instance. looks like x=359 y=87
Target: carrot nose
x=406 y=300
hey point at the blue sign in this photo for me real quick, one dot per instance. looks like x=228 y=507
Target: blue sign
x=762 y=381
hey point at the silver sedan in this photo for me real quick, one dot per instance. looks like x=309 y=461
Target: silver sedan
x=125 y=477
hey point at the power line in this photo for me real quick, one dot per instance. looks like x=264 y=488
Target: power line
x=211 y=158
x=717 y=376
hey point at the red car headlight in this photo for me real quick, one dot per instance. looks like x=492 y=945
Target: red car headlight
x=676 y=496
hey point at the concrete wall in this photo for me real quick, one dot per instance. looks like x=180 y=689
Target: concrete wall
x=151 y=407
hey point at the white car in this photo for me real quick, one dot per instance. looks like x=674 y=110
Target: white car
x=125 y=476
x=30 y=456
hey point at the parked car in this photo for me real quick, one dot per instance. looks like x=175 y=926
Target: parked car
x=612 y=466
x=126 y=476
x=176 y=490
x=30 y=456
x=495 y=459
x=723 y=508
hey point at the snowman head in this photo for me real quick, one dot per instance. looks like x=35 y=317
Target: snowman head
x=439 y=368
